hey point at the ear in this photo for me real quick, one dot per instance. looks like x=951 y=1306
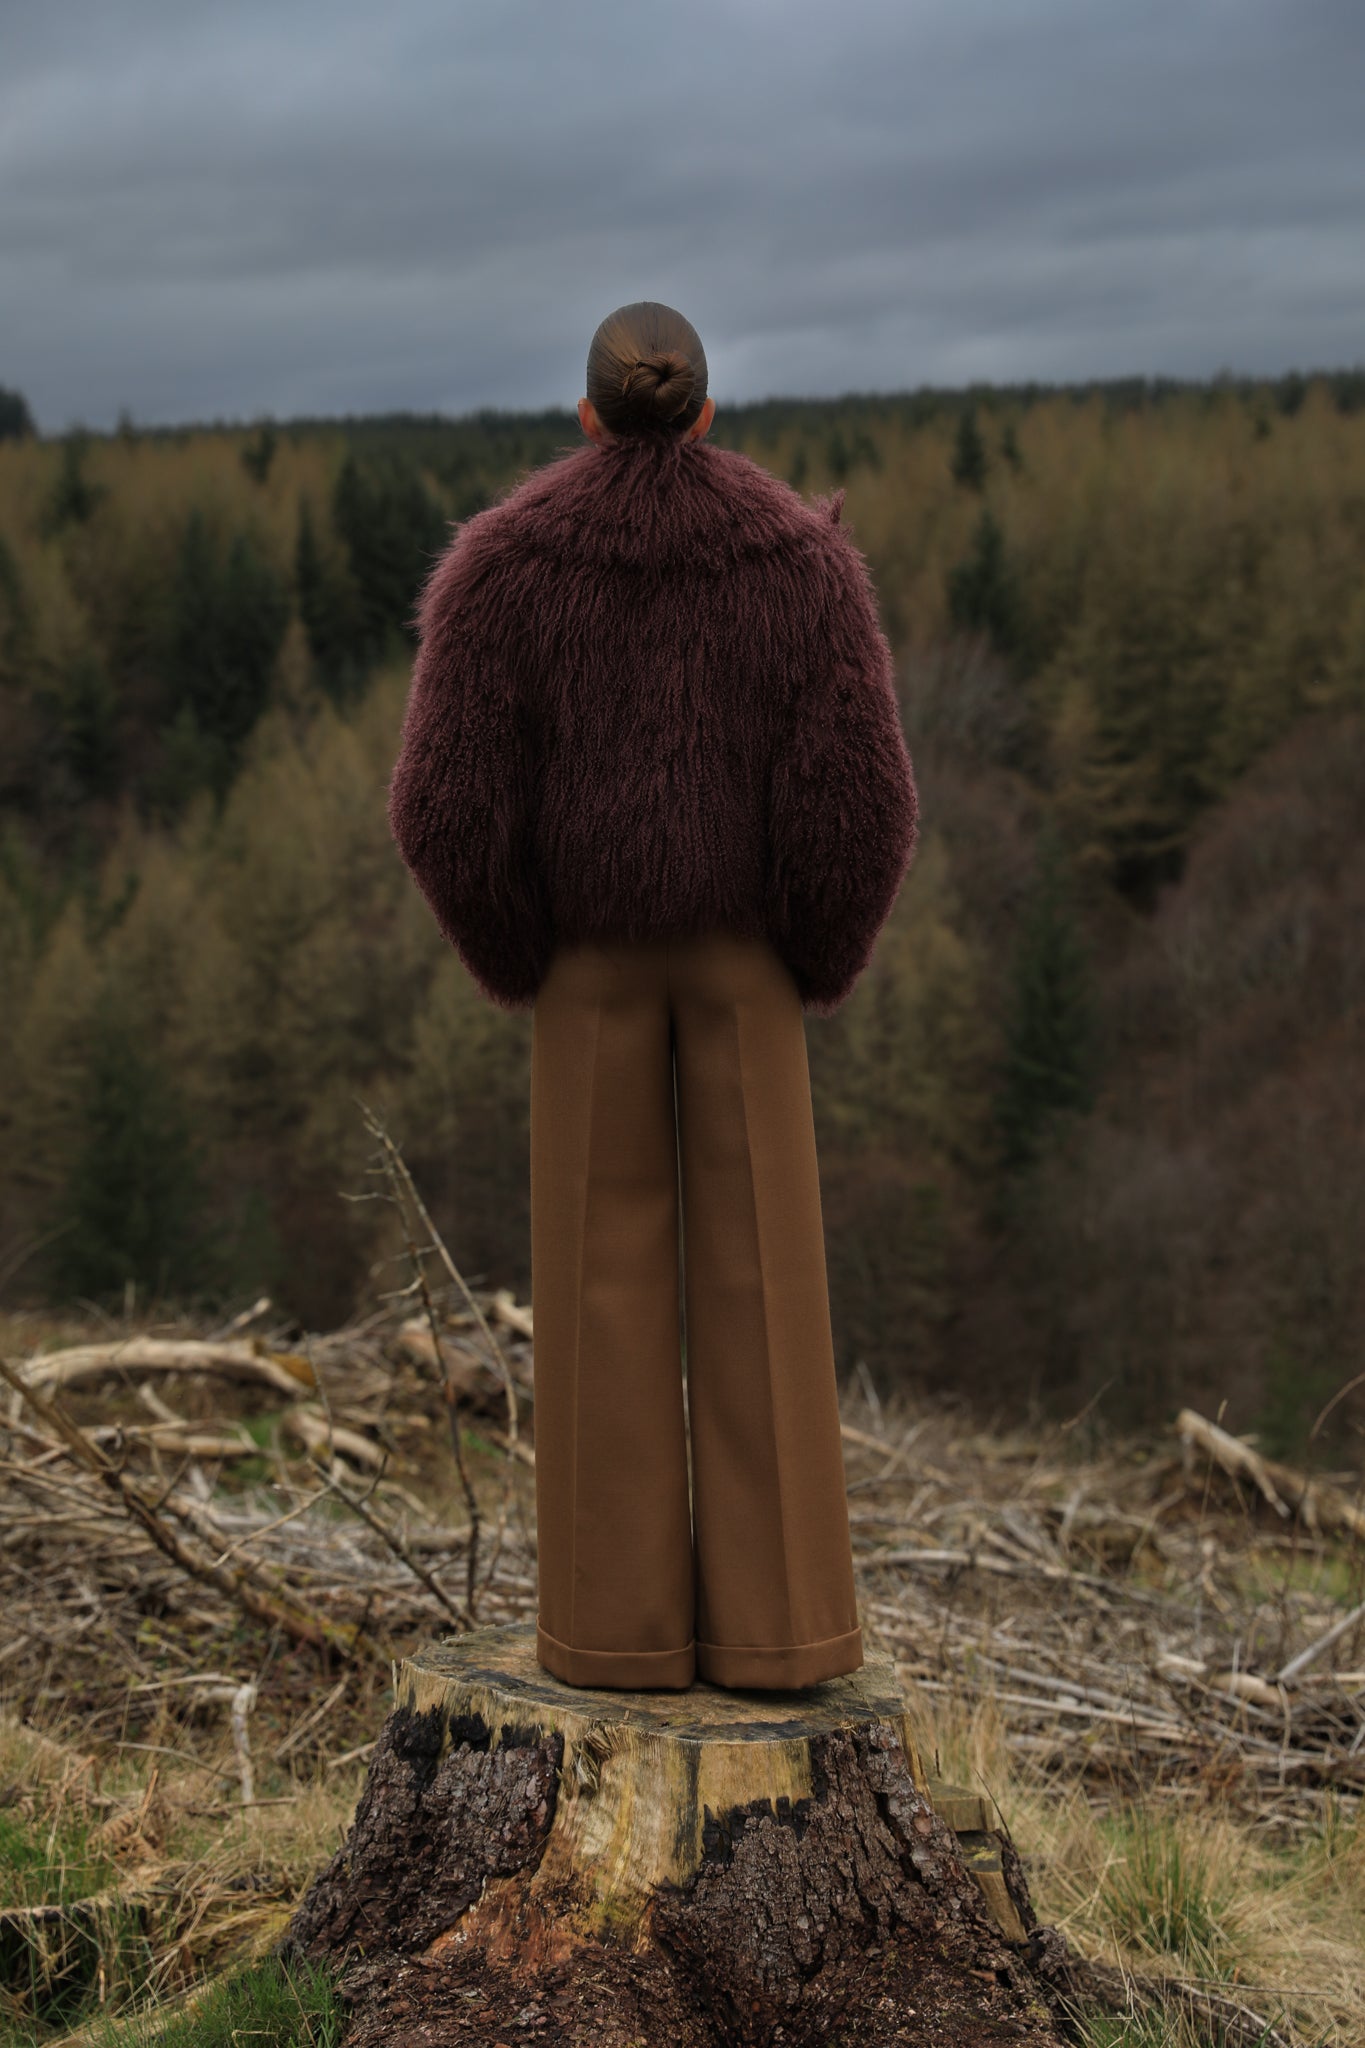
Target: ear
x=833 y=506
x=701 y=424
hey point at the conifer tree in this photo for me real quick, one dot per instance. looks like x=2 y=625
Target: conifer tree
x=129 y=1209
x=73 y=497
x=310 y=582
x=16 y=421
x=982 y=595
x=228 y=621
x=16 y=626
x=258 y=455
x=969 y=452
x=89 y=733
x=1051 y=1058
x=329 y=608
x=393 y=530
x=254 y=619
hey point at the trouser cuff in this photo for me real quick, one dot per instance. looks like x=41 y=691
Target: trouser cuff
x=746 y=1667
x=632 y=1670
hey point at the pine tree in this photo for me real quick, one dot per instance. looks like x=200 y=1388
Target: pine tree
x=982 y=596
x=258 y=455
x=73 y=497
x=1051 y=1059
x=89 y=731
x=393 y=530
x=255 y=610
x=16 y=421
x=969 y=452
x=16 y=622
x=329 y=608
x=228 y=621
x=310 y=582
x=130 y=1206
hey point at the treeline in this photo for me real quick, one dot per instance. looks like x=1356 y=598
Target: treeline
x=1090 y=1125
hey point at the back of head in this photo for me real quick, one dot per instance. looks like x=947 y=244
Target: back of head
x=647 y=370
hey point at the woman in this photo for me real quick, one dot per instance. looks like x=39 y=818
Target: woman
x=653 y=784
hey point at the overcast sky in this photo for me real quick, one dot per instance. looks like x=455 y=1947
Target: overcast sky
x=215 y=212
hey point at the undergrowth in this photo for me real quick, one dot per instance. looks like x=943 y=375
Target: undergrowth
x=1175 y=1886
x=268 y=2005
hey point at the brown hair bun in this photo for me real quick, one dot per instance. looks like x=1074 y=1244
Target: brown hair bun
x=647 y=370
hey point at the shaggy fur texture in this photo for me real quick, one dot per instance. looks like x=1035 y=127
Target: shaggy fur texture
x=652 y=697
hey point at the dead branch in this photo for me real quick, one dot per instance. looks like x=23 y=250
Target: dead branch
x=403 y=1193
x=1320 y=1505
x=395 y=1168
x=316 y=1433
x=395 y=1543
x=285 y=1371
x=271 y=1603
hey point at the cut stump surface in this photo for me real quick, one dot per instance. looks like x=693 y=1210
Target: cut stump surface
x=533 y=1861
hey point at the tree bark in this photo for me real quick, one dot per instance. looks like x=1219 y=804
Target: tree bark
x=532 y=1861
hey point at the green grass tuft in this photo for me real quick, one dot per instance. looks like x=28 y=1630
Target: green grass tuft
x=1160 y=1893
x=50 y=1971
x=272 y=2004
x=49 y=1863
x=268 y=2004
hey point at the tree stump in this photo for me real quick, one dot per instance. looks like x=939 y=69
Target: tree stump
x=533 y=1861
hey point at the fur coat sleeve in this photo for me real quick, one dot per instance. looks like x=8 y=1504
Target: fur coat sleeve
x=461 y=795
x=843 y=811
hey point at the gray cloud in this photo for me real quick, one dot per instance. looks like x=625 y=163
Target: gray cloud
x=308 y=208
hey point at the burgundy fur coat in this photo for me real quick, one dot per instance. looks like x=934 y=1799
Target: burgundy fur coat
x=652 y=697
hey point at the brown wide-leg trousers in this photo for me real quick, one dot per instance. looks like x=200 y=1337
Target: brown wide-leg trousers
x=655 y=1063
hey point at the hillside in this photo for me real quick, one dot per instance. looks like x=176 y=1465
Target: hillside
x=1090 y=1125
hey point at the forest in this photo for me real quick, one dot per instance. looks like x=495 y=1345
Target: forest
x=1090 y=1125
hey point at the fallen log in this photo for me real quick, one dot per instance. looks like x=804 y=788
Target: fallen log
x=288 y=1372
x=1320 y=1505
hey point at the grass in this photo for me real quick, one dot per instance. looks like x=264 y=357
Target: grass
x=47 y=1864
x=195 y=1890
x=1168 y=1886
x=269 y=2004
x=1155 y=2030
x=1176 y=1886
x=1166 y=1892
x=50 y=1963
x=1325 y=1574
x=1157 y=1871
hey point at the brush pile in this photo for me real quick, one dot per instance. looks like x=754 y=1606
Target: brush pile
x=1155 y=1617
x=212 y=1543
x=1170 y=1614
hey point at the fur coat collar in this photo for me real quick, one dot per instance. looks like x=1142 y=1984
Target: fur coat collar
x=652 y=502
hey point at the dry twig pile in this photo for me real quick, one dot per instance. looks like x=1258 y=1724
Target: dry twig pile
x=212 y=1544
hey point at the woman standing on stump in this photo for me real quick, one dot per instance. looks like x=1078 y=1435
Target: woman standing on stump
x=653 y=784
